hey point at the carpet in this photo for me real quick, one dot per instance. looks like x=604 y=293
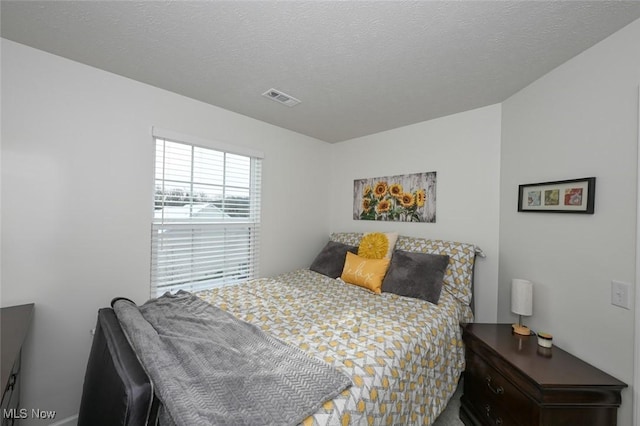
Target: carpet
x=451 y=415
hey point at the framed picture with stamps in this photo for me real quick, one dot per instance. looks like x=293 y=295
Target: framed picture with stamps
x=563 y=196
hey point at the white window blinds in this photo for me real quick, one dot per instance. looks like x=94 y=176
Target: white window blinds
x=206 y=224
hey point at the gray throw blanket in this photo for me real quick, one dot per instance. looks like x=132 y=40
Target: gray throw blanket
x=210 y=368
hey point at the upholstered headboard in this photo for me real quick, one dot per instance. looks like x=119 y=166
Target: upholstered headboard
x=458 y=278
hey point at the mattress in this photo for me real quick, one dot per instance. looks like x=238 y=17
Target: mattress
x=404 y=355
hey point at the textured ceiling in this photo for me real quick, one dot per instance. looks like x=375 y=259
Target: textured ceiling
x=359 y=67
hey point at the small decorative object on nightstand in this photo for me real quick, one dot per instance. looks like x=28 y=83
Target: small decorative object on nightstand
x=510 y=380
x=545 y=340
x=521 y=303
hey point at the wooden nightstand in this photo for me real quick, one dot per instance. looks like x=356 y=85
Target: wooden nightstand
x=510 y=380
x=14 y=325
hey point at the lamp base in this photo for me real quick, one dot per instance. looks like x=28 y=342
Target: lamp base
x=521 y=329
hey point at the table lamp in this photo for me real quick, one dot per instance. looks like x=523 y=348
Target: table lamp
x=521 y=303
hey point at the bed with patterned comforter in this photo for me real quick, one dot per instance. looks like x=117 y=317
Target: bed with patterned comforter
x=404 y=355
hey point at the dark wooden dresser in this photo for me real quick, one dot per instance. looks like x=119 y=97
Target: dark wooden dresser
x=14 y=325
x=510 y=380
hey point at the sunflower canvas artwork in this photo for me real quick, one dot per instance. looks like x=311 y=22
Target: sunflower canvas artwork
x=402 y=198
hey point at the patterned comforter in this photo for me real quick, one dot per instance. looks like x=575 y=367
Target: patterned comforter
x=403 y=355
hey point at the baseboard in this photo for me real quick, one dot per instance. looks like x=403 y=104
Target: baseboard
x=69 y=421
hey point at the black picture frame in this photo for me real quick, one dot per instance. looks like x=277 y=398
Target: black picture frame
x=562 y=196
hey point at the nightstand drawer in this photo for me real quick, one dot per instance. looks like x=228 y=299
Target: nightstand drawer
x=495 y=396
x=486 y=410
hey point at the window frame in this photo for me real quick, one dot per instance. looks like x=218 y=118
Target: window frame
x=226 y=230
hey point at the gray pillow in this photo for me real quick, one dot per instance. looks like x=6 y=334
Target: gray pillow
x=330 y=261
x=417 y=275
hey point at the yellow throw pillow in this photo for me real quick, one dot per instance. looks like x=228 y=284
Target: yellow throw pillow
x=367 y=273
x=377 y=245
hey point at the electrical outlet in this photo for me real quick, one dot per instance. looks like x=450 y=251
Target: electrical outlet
x=621 y=294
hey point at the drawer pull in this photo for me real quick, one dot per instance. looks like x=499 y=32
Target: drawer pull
x=12 y=381
x=497 y=421
x=498 y=391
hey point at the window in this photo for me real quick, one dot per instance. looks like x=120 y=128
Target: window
x=206 y=223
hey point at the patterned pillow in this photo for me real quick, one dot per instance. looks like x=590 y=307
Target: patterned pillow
x=363 y=272
x=349 y=238
x=459 y=273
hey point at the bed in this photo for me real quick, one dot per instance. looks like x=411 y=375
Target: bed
x=403 y=355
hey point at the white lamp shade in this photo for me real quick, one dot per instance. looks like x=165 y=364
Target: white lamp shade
x=521 y=297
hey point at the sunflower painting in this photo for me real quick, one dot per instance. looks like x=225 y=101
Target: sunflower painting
x=403 y=198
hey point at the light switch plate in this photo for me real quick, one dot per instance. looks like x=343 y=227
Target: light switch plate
x=621 y=294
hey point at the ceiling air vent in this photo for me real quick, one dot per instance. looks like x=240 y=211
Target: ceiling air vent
x=281 y=97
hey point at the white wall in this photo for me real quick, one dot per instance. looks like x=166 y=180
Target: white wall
x=579 y=120
x=77 y=201
x=464 y=150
